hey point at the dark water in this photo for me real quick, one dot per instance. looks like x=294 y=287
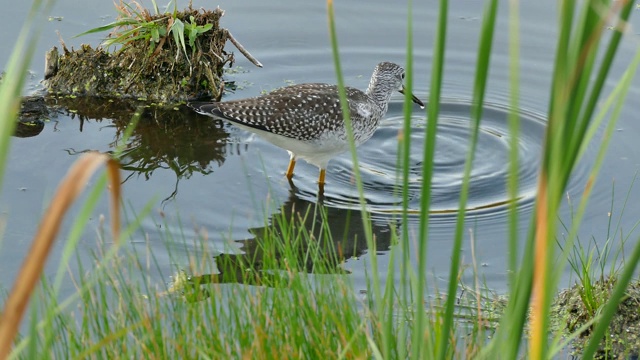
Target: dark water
x=207 y=177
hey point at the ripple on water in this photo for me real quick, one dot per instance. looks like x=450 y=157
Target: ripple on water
x=488 y=187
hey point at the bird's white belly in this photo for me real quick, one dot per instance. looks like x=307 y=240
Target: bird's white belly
x=317 y=152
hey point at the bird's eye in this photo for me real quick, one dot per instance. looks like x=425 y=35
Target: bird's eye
x=402 y=76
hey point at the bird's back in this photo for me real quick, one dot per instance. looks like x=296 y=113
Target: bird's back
x=304 y=112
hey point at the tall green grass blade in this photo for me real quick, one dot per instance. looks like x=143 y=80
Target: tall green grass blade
x=433 y=110
x=32 y=351
x=403 y=165
x=480 y=84
x=345 y=110
x=514 y=136
x=549 y=189
x=377 y=295
x=507 y=340
x=587 y=36
x=348 y=125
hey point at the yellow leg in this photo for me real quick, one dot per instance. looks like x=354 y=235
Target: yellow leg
x=292 y=164
x=321 y=182
x=321 y=178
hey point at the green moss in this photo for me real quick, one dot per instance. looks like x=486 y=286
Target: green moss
x=569 y=314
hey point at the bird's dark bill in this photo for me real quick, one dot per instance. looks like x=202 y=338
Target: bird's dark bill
x=413 y=98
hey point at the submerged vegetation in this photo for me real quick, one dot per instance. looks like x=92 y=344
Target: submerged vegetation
x=287 y=295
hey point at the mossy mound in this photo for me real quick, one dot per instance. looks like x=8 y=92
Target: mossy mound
x=622 y=340
x=159 y=71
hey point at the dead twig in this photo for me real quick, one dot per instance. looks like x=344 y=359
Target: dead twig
x=242 y=50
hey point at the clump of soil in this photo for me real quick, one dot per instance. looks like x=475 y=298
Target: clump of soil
x=145 y=70
x=623 y=336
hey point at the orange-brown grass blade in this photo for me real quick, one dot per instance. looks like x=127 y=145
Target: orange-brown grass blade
x=540 y=270
x=69 y=190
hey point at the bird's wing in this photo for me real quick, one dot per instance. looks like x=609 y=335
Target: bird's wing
x=303 y=87
x=302 y=111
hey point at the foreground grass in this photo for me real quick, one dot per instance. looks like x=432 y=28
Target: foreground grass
x=259 y=305
x=263 y=304
x=295 y=317
x=285 y=297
